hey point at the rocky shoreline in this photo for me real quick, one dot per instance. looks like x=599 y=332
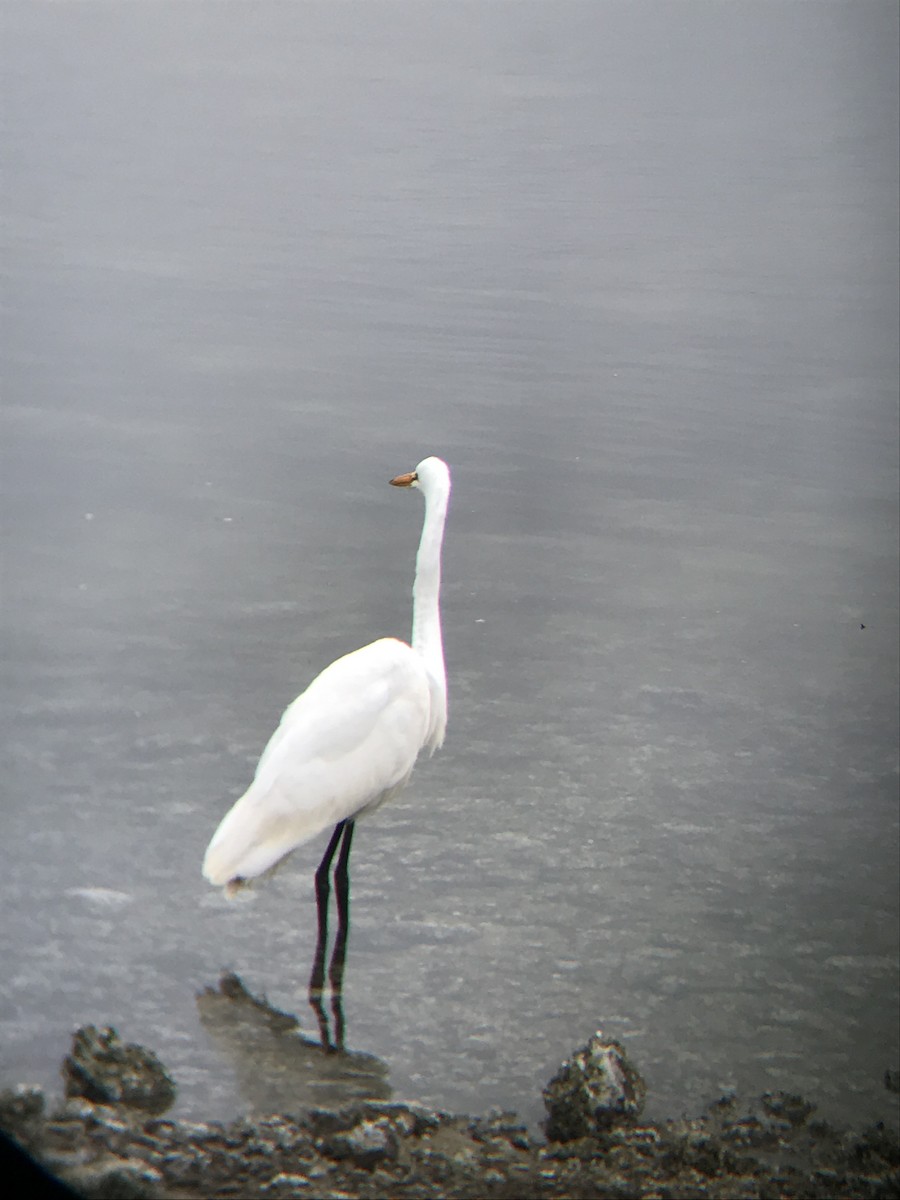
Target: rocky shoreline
x=109 y=1139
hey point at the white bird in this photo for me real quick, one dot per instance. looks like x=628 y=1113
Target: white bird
x=351 y=740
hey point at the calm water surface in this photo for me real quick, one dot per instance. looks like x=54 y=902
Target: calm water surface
x=632 y=270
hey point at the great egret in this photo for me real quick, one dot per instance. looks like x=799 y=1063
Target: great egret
x=350 y=741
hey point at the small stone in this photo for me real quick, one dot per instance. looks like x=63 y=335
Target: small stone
x=286 y=1183
x=20 y=1105
x=365 y=1145
x=76 y=1108
x=788 y=1106
x=410 y=1120
x=117 y=1179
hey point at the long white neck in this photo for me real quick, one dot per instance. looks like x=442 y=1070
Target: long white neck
x=426 y=630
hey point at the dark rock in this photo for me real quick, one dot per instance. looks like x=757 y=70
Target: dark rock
x=117 y=1179
x=104 y=1070
x=409 y=1120
x=788 y=1107
x=875 y=1145
x=20 y=1106
x=592 y=1091
x=322 y=1122
x=285 y=1184
x=366 y=1145
x=503 y=1127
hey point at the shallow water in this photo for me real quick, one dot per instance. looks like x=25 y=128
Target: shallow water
x=631 y=269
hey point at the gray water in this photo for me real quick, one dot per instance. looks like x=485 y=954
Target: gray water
x=632 y=270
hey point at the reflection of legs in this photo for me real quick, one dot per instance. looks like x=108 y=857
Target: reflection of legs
x=323 y=891
x=336 y=969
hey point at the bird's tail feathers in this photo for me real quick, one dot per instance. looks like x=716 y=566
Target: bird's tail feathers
x=250 y=841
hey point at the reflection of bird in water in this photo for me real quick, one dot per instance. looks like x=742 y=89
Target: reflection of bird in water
x=277 y=1068
x=346 y=745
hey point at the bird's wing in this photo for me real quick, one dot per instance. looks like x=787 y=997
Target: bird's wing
x=346 y=743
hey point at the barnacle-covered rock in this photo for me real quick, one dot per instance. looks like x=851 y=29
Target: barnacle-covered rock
x=593 y=1090
x=105 y=1070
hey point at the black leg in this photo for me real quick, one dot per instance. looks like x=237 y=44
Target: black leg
x=336 y=968
x=323 y=891
x=342 y=883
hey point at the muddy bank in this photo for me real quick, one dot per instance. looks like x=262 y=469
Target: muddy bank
x=111 y=1139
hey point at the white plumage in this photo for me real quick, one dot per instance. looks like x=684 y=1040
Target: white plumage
x=351 y=740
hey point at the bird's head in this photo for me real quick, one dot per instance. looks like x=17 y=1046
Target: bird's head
x=431 y=475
